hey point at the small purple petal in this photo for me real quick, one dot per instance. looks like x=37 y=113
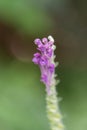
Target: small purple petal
x=51 y=68
x=38 y=41
x=44 y=78
x=35 y=60
x=49 y=52
x=37 y=54
x=45 y=40
x=43 y=60
x=41 y=48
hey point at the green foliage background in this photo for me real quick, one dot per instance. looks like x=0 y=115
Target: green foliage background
x=22 y=96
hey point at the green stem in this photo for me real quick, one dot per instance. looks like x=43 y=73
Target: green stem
x=53 y=111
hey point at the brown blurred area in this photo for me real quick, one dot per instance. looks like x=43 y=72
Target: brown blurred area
x=70 y=31
x=15 y=44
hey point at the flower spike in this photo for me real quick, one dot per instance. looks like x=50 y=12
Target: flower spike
x=45 y=60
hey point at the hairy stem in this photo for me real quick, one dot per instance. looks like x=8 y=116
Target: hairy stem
x=53 y=111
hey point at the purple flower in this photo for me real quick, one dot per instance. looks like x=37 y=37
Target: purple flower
x=51 y=68
x=45 y=60
x=44 y=78
x=37 y=57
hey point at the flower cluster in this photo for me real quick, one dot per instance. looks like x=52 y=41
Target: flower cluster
x=45 y=59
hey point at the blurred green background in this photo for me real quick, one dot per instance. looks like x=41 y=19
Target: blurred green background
x=22 y=95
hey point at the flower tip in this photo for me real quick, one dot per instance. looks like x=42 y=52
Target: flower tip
x=37 y=41
x=44 y=40
x=51 y=38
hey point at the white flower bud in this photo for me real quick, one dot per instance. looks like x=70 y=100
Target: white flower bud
x=51 y=38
